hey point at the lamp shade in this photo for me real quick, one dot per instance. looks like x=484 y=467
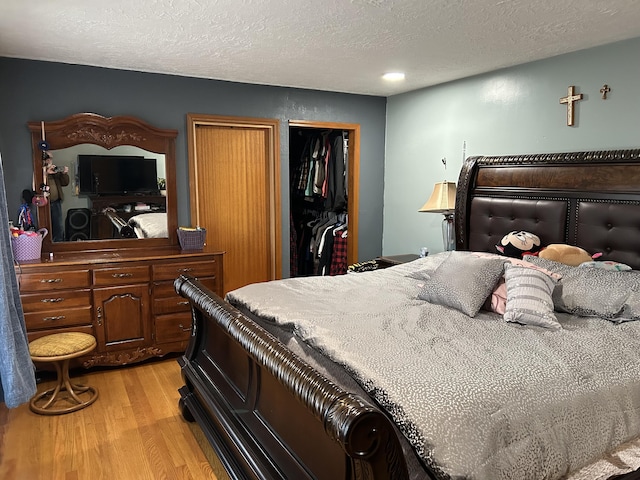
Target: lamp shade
x=442 y=199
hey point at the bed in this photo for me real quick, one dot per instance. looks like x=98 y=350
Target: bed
x=283 y=385
x=149 y=225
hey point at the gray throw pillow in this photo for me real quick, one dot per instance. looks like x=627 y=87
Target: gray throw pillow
x=463 y=282
x=529 y=300
x=589 y=292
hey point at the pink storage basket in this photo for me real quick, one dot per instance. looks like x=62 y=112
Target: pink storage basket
x=28 y=247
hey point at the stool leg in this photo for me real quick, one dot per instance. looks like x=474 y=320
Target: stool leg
x=68 y=386
x=54 y=392
x=79 y=388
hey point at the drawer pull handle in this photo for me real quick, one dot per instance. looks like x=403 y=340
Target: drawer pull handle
x=186 y=269
x=51 y=280
x=51 y=319
x=187 y=329
x=183 y=303
x=99 y=316
x=122 y=275
x=52 y=300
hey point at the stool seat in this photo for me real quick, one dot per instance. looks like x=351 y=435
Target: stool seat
x=59 y=349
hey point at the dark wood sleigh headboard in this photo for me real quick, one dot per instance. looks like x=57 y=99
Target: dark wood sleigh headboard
x=588 y=199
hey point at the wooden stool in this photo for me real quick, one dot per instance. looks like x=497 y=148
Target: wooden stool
x=59 y=348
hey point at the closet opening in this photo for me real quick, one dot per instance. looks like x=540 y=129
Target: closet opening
x=323 y=194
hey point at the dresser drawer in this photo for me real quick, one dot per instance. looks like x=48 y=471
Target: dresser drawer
x=58 y=318
x=171 y=304
x=173 y=328
x=171 y=271
x=57 y=300
x=166 y=288
x=120 y=275
x=41 y=282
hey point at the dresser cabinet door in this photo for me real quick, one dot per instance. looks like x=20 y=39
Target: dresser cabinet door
x=122 y=317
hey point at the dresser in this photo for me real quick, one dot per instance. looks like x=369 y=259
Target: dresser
x=125 y=298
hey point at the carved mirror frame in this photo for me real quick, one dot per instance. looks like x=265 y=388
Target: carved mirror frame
x=108 y=132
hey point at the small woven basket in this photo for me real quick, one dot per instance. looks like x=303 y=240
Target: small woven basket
x=28 y=247
x=192 y=239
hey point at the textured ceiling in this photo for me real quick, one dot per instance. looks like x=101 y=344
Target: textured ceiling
x=336 y=45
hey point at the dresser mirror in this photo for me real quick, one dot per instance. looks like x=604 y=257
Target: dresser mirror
x=121 y=190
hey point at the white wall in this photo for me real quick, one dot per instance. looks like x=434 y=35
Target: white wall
x=511 y=111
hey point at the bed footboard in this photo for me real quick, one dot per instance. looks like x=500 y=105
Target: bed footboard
x=267 y=413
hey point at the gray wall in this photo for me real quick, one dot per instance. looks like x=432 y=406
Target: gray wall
x=511 y=111
x=35 y=91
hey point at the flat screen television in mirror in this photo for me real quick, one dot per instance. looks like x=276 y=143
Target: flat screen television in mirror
x=117 y=175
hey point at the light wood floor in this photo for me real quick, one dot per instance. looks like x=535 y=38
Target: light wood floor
x=134 y=430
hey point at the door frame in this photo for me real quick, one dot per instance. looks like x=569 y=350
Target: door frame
x=353 y=177
x=271 y=127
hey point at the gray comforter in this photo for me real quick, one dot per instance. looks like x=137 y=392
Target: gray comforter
x=478 y=398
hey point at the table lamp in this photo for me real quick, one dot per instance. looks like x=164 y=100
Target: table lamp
x=443 y=200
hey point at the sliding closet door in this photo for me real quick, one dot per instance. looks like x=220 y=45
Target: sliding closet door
x=234 y=183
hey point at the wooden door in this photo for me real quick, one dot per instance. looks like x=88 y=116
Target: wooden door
x=235 y=194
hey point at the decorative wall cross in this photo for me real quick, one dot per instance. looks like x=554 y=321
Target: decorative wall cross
x=569 y=100
x=604 y=90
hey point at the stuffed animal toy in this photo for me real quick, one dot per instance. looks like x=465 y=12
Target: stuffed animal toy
x=25 y=217
x=517 y=244
x=567 y=254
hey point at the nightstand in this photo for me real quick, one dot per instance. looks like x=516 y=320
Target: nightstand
x=391 y=260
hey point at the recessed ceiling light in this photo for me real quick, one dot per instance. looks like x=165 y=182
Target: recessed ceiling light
x=393 y=76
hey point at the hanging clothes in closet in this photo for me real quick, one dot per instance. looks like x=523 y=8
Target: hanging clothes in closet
x=318 y=198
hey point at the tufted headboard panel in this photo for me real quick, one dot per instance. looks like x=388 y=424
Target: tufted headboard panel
x=490 y=218
x=588 y=199
x=611 y=228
